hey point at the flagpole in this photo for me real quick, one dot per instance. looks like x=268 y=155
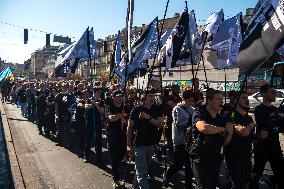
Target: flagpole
x=205 y=74
x=128 y=59
x=90 y=60
x=225 y=85
x=129 y=27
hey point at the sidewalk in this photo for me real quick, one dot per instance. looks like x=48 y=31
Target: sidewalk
x=17 y=179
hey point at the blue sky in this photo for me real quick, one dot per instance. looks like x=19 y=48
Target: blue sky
x=71 y=17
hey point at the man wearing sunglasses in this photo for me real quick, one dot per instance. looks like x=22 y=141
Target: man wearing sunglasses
x=267 y=147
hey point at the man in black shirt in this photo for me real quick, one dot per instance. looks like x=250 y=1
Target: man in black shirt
x=51 y=111
x=82 y=131
x=238 y=151
x=267 y=148
x=145 y=120
x=209 y=133
x=62 y=115
x=41 y=108
x=116 y=134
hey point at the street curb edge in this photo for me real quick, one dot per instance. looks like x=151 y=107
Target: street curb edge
x=12 y=155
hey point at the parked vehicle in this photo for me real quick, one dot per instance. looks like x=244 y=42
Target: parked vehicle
x=256 y=99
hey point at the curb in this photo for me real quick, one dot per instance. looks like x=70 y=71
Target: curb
x=17 y=176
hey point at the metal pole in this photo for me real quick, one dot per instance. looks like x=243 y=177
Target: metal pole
x=225 y=86
x=90 y=61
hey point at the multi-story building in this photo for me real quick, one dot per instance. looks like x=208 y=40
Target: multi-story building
x=42 y=60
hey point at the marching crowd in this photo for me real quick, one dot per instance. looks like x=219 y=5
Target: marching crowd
x=198 y=131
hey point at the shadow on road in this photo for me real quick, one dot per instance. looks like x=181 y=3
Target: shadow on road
x=17 y=119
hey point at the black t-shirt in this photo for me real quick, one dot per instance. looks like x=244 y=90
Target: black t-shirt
x=240 y=144
x=206 y=147
x=63 y=101
x=146 y=133
x=266 y=118
x=115 y=126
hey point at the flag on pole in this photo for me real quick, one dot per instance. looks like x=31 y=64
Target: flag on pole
x=214 y=21
x=116 y=56
x=64 y=51
x=227 y=41
x=93 y=47
x=129 y=27
x=257 y=16
x=144 y=49
x=120 y=70
x=67 y=67
x=192 y=34
x=198 y=47
x=5 y=73
x=170 y=52
x=264 y=37
x=166 y=35
x=193 y=31
x=79 y=51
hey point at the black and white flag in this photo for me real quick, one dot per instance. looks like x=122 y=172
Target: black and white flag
x=264 y=36
x=116 y=56
x=170 y=52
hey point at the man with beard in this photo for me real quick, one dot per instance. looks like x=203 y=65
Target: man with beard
x=267 y=148
x=145 y=120
x=238 y=151
x=116 y=134
x=209 y=133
